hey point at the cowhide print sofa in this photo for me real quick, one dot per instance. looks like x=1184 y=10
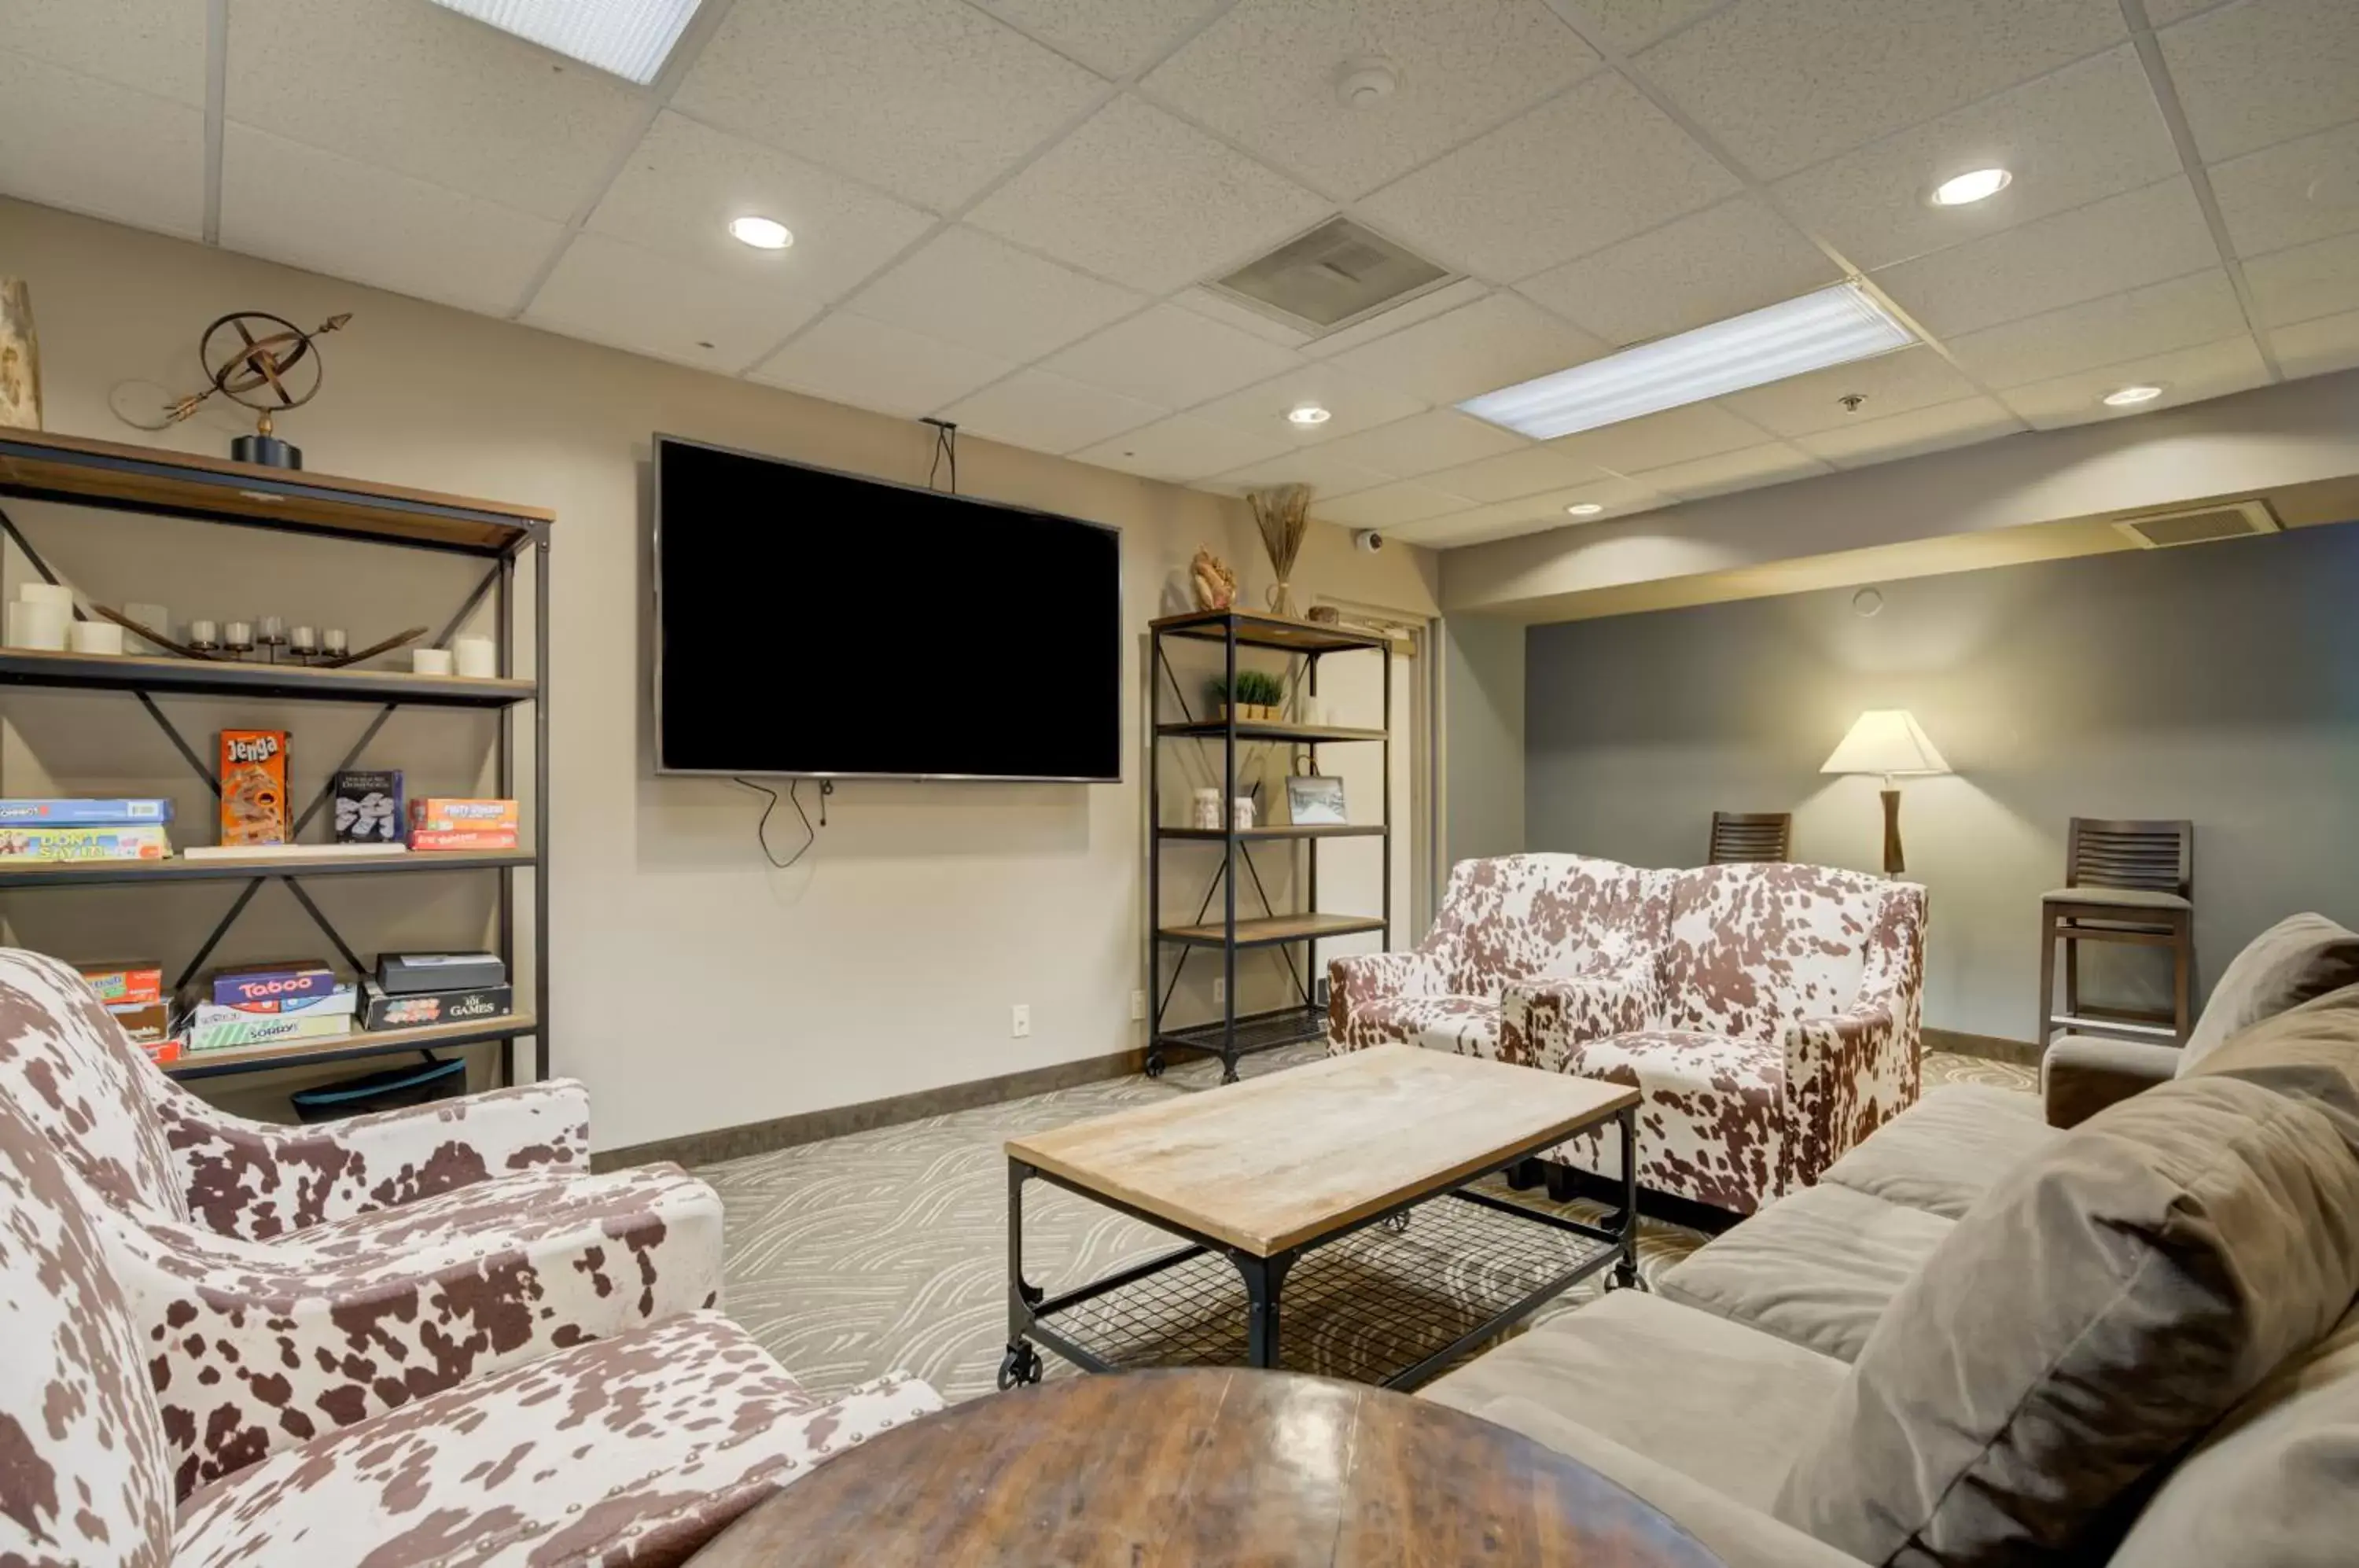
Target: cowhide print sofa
x=1768 y=1013
x=637 y=1448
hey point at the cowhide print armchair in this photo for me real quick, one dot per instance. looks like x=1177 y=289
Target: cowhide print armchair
x=637 y=1448
x=1589 y=929
x=287 y=1281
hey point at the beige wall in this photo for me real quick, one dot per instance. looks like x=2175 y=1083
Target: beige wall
x=1483 y=767
x=694 y=986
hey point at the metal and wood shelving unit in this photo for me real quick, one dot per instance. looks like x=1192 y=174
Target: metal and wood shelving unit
x=113 y=477
x=1230 y=1036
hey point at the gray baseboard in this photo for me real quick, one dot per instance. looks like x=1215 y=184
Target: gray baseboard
x=812 y=1126
x=1989 y=1046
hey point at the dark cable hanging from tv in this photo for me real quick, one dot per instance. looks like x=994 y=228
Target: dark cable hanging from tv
x=945 y=445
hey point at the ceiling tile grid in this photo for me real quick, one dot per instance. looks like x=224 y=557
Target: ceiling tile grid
x=1172 y=356
x=1112 y=37
x=1497 y=342
x=89 y=146
x=155 y=46
x=2186 y=375
x=875 y=364
x=1047 y=413
x=965 y=286
x=611 y=292
x=1724 y=261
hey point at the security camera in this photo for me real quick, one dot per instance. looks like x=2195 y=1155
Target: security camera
x=1367 y=541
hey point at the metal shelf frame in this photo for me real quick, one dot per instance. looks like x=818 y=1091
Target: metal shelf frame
x=105 y=477
x=1232 y=1036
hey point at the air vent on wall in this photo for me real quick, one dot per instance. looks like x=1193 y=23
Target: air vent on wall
x=1337 y=274
x=2200 y=525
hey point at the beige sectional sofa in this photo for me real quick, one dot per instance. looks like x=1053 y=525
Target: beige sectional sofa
x=1981 y=1339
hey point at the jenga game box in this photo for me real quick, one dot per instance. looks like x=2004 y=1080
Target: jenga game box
x=254 y=786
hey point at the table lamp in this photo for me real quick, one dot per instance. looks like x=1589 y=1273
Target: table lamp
x=1887 y=741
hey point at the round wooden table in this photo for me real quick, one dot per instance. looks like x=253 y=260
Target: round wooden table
x=1210 y=1467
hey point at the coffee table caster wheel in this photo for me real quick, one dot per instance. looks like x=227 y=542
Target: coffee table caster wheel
x=1397 y=1224
x=1021 y=1365
x=1155 y=1064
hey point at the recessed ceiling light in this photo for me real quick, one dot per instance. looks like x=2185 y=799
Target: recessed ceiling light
x=629 y=37
x=1977 y=185
x=1310 y=414
x=762 y=234
x=2122 y=398
x=1584 y=509
x=1834 y=326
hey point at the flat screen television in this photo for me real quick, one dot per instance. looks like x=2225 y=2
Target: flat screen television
x=819 y=623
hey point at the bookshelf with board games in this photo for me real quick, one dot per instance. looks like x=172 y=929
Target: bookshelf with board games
x=111 y=477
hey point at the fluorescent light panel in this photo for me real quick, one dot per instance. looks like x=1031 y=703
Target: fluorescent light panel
x=1834 y=326
x=629 y=37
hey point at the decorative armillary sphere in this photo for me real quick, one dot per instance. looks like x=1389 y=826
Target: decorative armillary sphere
x=262 y=373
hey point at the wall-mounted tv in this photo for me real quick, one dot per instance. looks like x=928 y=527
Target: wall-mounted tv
x=816 y=623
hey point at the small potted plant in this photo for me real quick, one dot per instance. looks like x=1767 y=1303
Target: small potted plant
x=1258 y=697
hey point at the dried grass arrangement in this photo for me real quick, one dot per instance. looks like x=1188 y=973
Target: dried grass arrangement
x=1284 y=514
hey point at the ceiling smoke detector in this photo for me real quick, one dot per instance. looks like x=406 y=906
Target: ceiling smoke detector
x=1365 y=83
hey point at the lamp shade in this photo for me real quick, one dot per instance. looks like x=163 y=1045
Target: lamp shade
x=1886 y=741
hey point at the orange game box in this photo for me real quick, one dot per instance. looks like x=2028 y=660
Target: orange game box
x=254 y=786
x=446 y=815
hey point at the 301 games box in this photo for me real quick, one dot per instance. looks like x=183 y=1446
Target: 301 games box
x=418 y=1008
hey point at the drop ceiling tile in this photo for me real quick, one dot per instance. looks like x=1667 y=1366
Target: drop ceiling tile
x=1912 y=434
x=2317 y=347
x=72 y=141
x=2162 y=12
x=2183 y=312
x=1515 y=474
x=1423 y=443
x=1148 y=200
x=428 y=93
x=1388 y=506
x=1892 y=384
x=1047 y=413
x=1589 y=167
x=1314 y=465
x=157 y=46
x=2255 y=73
x=1497 y=342
x=1784 y=84
x=1229 y=312
x=1721 y=262
x=614 y=293
x=848 y=358
x=684 y=181
x=2317 y=280
x=1112 y=37
x=1437 y=301
x=2088 y=131
x=1630 y=25
x=1675 y=435
x=1353 y=403
x=1749 y=468
x=2124 y=242
x=2291 y=193
x=1266 y=76
x=1181 y=448
x=2186 y=375
x=1168 y=355
x=314 y=210
x=929 y=99
x=1532 y=515
x=967 y=288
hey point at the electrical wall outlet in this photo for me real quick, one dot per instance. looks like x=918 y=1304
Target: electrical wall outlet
x=1020 y=1021
x=1137 y=1005
x=1220 y=992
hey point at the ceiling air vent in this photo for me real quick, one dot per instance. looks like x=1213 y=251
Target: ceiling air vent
x=1337 y=274
x=2200 y=525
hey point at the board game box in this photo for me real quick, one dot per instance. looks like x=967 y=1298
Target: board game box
x=22 y=843
x=254 y=984
x=420 y=1008
x=368 y=806
x=254 y=786
x=84 y=814
x=130 y=983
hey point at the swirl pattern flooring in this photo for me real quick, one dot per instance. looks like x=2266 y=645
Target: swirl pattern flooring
x=887 y=1250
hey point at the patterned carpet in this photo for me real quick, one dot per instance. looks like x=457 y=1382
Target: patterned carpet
x=887 y=1250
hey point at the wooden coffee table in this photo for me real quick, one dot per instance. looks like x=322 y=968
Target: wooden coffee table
x=1203 y=1467
x=1333 y=1195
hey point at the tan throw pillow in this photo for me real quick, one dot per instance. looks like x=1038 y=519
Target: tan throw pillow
x=2299 y=957
x=2311 y=1052
x=2100 y=1308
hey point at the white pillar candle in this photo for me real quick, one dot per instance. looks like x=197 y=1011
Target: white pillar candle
x=95 y=636
x=56 y=594
x=38 y=626
x=478 y=658
x=430 y=660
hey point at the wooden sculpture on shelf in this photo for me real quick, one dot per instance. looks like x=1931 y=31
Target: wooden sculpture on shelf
x=1215 y=584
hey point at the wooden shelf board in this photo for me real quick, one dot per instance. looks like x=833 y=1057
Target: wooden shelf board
x=78 y=470
x=1267 y=631
x=89 y=873
x=1267 y=930
x=1282 y=831
x=360 y=1042
x=35 y=667
x=1213 y=729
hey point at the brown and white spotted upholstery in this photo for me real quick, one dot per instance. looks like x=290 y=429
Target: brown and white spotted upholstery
x=637 y=1448
x=1768 y=1013
x=287 y=1281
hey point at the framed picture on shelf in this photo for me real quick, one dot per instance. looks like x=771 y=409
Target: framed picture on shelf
x=1315 y=800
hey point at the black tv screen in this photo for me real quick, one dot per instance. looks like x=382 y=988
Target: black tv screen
x=811 y=622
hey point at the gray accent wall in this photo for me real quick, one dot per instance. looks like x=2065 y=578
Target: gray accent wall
x=2218 y=682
